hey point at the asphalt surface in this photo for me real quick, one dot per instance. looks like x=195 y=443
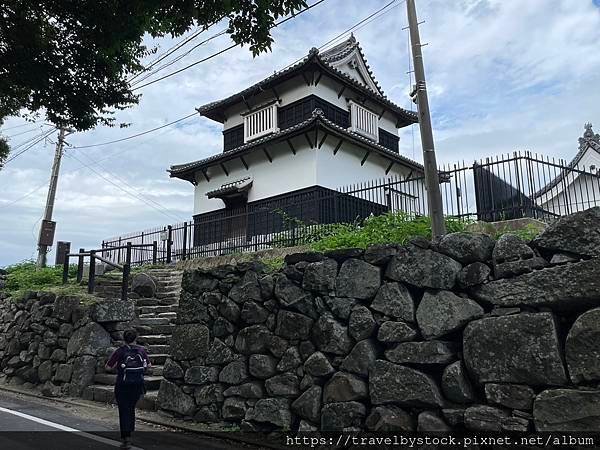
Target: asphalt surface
x=28 y=423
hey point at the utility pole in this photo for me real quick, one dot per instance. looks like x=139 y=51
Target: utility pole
x=432 y=182
x=47 y=228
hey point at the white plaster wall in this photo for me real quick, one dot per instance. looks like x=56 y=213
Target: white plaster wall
x=286 y=173
x=296 y=89
x=583 y=191
x=343 y=169
x=289 y=92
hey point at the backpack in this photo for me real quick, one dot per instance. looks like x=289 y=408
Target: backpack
x=133 y=366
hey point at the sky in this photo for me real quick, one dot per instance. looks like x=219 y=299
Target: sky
x=503 y=75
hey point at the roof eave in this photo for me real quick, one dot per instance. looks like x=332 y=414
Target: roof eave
x=187 y=173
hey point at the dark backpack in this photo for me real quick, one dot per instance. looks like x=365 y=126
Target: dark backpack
x=133 y=366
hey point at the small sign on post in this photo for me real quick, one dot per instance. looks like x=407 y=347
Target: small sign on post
x=47 y=233
x=62 y=248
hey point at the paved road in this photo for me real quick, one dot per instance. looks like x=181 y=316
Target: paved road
x=28 y=423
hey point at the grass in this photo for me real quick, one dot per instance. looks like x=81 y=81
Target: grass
x=25 y=276
x=389 y=228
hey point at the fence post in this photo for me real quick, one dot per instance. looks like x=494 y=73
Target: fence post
x=66 y=269
x=92 y=275
x=169 y=242
x=126 y=272
x=185 y=232
x=154 y=252
x=80 y=262
x=119 y=254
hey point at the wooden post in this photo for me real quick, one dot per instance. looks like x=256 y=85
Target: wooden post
x=184 y=250
x=154 y=252
x=66 y=269
x=80 y=262
x=169 y=243
x=126 y=272
x=92 y=275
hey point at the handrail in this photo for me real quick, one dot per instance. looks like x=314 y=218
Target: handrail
x=93 y=256
x=110 y=263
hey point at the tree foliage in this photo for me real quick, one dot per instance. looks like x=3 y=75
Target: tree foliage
x=71 y=58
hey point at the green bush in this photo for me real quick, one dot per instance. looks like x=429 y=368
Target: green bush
x=25 y=276
x=387 y=228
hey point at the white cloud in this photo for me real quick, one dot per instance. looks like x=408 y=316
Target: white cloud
x=503 y=75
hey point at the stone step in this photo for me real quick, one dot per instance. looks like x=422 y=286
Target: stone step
x=105 y=394
x=158 y=359
x=154 y=339
x=108 y=379
x=155 y=329
x=169 y=301
x=156 y=371
x=156 y=309
x=147 y=302
x=174 y=293
x=158 y=348
x=171 y=315
x=154 y=321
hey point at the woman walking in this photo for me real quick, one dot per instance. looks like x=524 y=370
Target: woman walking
x=131 y=361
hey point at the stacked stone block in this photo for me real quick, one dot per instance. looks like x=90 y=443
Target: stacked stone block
x=460 y=333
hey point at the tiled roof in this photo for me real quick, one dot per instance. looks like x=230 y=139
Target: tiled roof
x=323 y=60
x=317 y=116
x=587 y=141
x=342 y=50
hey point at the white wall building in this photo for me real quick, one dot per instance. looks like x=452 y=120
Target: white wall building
x=300 y=134
x=578 y=187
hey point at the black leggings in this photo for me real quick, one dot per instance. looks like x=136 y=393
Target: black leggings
x=127 y=397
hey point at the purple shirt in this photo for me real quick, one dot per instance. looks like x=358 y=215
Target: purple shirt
x=117 y=357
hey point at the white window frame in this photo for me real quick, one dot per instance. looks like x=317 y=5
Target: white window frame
x=260 y=123
x=363 y=121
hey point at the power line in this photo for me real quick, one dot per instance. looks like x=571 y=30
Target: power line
x=28 y=147
x=354 y=27
x=23 y=132
x=30 y=193
x=225 y=49
x=170 y=51
x=138 y=134
x=108 y=180
x=178 y=58
x=125 y=182
x=18 y=126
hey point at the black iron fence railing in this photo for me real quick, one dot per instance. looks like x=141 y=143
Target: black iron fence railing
x=500 y=188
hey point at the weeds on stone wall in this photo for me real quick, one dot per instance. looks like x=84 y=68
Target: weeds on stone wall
x=25 y=276
x=387 y=228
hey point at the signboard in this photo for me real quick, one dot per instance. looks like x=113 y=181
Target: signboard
x=47 y=233
x=62 y=248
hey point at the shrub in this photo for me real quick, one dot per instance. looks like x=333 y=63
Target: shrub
x=25 y=276
x=395 y=227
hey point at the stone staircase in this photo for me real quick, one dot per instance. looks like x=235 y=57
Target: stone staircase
x=155 y=321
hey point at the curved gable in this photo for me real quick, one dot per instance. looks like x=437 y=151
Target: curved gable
x=348 y=57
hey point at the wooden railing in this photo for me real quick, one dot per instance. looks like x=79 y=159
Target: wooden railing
x=260 y=123
x=364 y=122
x=96 y=255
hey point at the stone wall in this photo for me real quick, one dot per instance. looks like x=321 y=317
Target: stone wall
x=58 y=344
x=462 y=333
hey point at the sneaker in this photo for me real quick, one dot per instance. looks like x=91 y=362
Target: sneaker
x=126 y=444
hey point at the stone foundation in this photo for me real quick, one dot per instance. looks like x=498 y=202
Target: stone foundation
x=461 y=333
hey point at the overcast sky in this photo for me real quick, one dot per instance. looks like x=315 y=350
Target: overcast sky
x=503 y=75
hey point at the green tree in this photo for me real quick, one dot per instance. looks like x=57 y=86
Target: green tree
x=70 y=59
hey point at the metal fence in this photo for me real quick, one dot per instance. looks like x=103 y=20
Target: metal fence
x=500 y=188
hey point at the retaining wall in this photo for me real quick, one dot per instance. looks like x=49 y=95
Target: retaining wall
x=461 y=333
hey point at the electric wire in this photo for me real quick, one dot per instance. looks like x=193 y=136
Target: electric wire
x=223 y=50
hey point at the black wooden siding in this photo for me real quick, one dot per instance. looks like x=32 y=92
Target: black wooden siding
x=314 y=205
x=389 y=140
x=301 y=110
x=233 y=138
